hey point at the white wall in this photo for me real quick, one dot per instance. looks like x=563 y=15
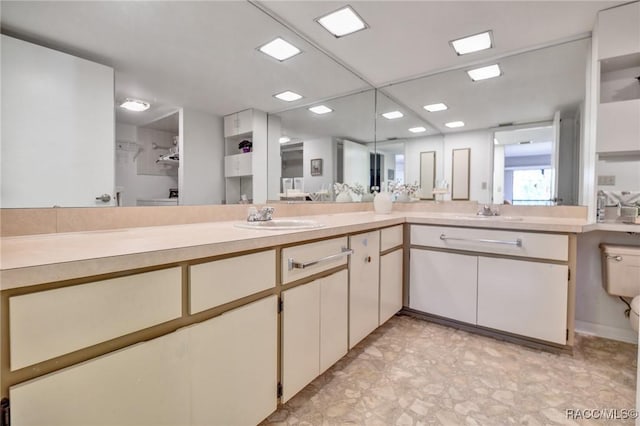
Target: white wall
x=131 y=184
x=58 y=145
x=498 y=175
x=274 y=160
x=356 y=158
x=412 y=150
x=596 y=311
x=480 y=143
x=317 y=148
x=201 y=173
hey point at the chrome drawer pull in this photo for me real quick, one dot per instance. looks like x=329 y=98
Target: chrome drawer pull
x=302 y=265
x=517 y=242
x=616 y=258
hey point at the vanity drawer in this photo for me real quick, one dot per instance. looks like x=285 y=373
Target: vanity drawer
x=532 y=244
x=390 y=237
x=311 y=252
x=50 y=323
x=221 y=281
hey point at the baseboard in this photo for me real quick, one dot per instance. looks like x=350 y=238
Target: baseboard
x=608 y=332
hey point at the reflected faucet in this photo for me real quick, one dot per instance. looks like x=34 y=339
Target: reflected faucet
x=262 y=215
x=486 y=211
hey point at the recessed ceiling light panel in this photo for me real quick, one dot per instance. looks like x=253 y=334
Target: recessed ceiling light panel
x=485 y=73
x=320 y=109
x=284 y=139
x=135 y=105
x=473 y=43
x=288 y=96
x=435 y=107
x=454 y=124
x=342 y=22
x=279 y=49
x=392 y=115
x=418 y=129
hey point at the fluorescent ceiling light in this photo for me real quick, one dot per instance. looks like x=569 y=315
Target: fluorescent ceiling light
x=435 y=107
x=392 y=115
x=342 y=22
x=279 y=49
x=418 y=129
x=284 y=139
x=454 y=124
x=484 y=73
x=320 y=109
x=135 y=105
x=288 y=96
x=472 y=43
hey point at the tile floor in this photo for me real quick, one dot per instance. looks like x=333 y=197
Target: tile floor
x=412 y=372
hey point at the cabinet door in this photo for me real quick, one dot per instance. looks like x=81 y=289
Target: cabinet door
x=145 y=384
x=233 y=361
x=364 y=270
x=618 y=126
x=443 y=284
x=334 y=321
x=390 y=285
x=231 y=165
x=230 y=125
x=526 y=298
x=244 y=164
x=300 y=338
x=618 y=31
x=245 y=121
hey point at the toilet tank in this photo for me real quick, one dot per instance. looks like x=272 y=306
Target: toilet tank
x=621 y=269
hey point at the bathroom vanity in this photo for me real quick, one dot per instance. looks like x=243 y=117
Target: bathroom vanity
x=182 y=324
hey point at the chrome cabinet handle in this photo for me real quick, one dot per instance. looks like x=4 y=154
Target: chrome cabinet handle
x=616 y=258
x=517 y=242
x=302 y=265
x=105 y=198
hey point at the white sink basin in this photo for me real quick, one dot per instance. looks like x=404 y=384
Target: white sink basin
x=281 y=224
x=496 y=218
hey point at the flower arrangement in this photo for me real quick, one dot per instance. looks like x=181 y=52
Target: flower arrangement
x=341 y=188
x=357 y=189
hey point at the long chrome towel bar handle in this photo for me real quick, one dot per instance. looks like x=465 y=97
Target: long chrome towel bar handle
x=517 y=242
x=302 y=265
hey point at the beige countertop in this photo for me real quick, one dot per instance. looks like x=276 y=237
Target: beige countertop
x=37 y=259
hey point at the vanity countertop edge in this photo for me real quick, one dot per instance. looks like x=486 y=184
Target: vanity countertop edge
x=37 y=259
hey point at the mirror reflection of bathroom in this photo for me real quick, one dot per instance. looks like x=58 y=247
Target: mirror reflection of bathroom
x=147 y=160
x=526 y=162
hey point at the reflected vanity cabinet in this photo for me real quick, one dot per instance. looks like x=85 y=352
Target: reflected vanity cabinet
x=618 y=41
x=245 y=171
x=503 y=281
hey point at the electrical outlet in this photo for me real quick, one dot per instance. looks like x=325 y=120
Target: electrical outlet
x=606 y=180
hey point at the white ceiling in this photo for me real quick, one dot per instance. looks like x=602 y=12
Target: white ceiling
x=203 y=55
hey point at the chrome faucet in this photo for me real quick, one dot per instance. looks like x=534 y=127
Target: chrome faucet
x=486 y=211
x=262 y=215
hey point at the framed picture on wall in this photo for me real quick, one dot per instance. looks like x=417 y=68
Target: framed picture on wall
x=316 y=167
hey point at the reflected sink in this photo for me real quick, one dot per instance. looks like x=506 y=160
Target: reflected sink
x=281 y=224
x=496 y=218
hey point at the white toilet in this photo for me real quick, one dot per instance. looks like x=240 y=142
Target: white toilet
x=621 y=275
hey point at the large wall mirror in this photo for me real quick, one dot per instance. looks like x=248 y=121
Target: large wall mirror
x=371 y=137
x=525 y=123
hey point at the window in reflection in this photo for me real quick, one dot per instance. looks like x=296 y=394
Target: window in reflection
x=532 y=186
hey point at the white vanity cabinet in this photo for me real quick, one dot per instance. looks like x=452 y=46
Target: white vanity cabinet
x=391 y=272
x=364 y=285
x=232 y=366
x=144 y=384
x=314 y=330
x=509 y=281
x=522 y=297
x=444 y=284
